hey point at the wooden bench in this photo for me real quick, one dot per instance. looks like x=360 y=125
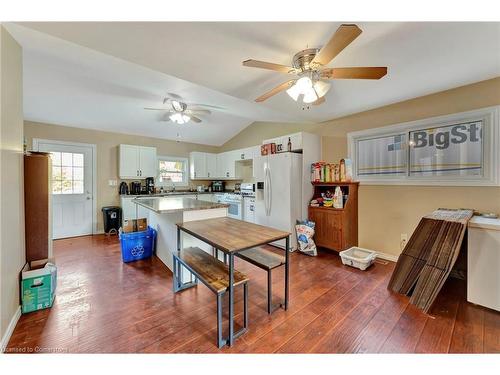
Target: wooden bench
x=266 y=260
x=215 y=275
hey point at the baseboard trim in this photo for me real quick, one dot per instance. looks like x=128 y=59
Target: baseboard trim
x=389 y=257
x=10 y=329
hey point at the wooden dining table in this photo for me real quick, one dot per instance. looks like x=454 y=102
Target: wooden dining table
x=232 y=236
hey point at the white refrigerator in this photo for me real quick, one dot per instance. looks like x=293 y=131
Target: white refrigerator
x=278 y=195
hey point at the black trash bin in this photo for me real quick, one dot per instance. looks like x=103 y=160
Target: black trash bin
x=112 y=219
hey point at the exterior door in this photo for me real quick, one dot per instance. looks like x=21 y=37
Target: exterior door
x=72 y=188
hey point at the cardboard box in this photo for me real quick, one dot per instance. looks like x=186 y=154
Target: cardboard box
x=135 y=225
x=142 y=225
x=128 y=226
x=38 y=285
x=268 y=149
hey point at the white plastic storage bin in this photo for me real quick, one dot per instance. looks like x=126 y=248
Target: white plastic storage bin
x=358 y=257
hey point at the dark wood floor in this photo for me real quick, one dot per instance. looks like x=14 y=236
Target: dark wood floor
x=103 y=305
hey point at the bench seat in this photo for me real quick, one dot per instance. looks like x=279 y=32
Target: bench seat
x=262 y=258
x=211 y=271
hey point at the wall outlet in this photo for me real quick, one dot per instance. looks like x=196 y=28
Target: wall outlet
x=112 y=182
x=403 y=240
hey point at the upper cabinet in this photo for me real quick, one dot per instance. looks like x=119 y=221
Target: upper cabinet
x=198 y=165
x=225 y=164
x=211 y=165
x=137 y=162
x=247 y=153
x=202 y=165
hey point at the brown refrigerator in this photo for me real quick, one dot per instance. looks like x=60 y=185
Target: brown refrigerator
x=37 y=205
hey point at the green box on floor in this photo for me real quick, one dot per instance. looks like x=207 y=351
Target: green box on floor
x=38 y=285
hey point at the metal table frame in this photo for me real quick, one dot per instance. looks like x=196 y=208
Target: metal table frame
x=230 y=255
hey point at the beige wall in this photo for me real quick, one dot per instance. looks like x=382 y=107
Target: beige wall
x=12 y=255
x=385 y=212
x=107 y=153
x=254 y=134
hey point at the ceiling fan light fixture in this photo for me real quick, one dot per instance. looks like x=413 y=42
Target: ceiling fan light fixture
x=310 y=96
x=179 y=118
x=294 y=92
x=321 y=88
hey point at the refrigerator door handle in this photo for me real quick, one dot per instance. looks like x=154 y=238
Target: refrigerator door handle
x=270 y=193
x=266 y=190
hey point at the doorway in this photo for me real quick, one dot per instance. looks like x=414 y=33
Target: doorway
x=73 y=187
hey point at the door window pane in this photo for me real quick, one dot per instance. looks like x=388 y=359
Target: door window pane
x=67 y=159
x=67 y=173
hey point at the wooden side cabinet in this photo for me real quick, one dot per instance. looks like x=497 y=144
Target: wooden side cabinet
x=336 y=228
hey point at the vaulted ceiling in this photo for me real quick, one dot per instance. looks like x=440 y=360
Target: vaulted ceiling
x=101 y=75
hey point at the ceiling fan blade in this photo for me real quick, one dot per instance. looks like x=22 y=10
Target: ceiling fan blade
x=319 y=101
x=198 y=111
x=195 y=119
x=269 y=66
x=276 y=90
x=157 y=109
x=199 y=106
x=344 y=35
x=375 y=72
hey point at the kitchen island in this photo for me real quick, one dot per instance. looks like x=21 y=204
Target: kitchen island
x=166 y=212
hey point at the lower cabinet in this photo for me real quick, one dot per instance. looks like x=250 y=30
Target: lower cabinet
x=332 y=229
x=130 y=210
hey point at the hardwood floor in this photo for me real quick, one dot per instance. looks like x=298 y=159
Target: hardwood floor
x=104 y=305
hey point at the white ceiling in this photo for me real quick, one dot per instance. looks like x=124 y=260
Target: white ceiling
x=81 y=86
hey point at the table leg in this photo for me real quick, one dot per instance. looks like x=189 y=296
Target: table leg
x=231 y=299
x=287 y=271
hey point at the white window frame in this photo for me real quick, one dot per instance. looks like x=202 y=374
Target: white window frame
x=185 y=180
x=491 y=152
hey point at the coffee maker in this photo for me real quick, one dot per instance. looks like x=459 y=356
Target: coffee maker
x=135 y=188
x=150 y=185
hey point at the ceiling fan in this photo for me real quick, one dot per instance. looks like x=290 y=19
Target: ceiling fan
x=181 y=112
x=310 y=67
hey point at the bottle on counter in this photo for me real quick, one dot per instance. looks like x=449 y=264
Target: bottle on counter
x=289 y=147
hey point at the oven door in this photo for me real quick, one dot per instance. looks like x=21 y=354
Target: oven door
x=235 y=209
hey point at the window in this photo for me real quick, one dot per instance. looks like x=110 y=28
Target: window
x=172 y=170
x=459 y=149
x=67 y=173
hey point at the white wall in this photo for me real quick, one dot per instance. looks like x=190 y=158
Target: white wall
x=12 y=255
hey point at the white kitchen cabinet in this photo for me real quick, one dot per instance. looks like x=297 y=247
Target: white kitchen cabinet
x=202 y=165
x=132 y=211
x=245 y=153
x=226 y=167
x=137 y=162
x=148 y=162
x=197 y=165
x=211 y=165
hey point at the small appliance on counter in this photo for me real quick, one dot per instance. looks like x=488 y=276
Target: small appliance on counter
x=135 y=188
x=218 y=186
x=123 y=188
x=237 y=188
x=201 y=188
x=150 y=185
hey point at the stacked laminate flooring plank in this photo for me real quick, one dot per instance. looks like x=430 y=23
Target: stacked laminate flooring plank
x=429 y=256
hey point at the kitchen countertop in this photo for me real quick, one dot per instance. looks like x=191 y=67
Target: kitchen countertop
x=162 y=205
x=170 y=194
